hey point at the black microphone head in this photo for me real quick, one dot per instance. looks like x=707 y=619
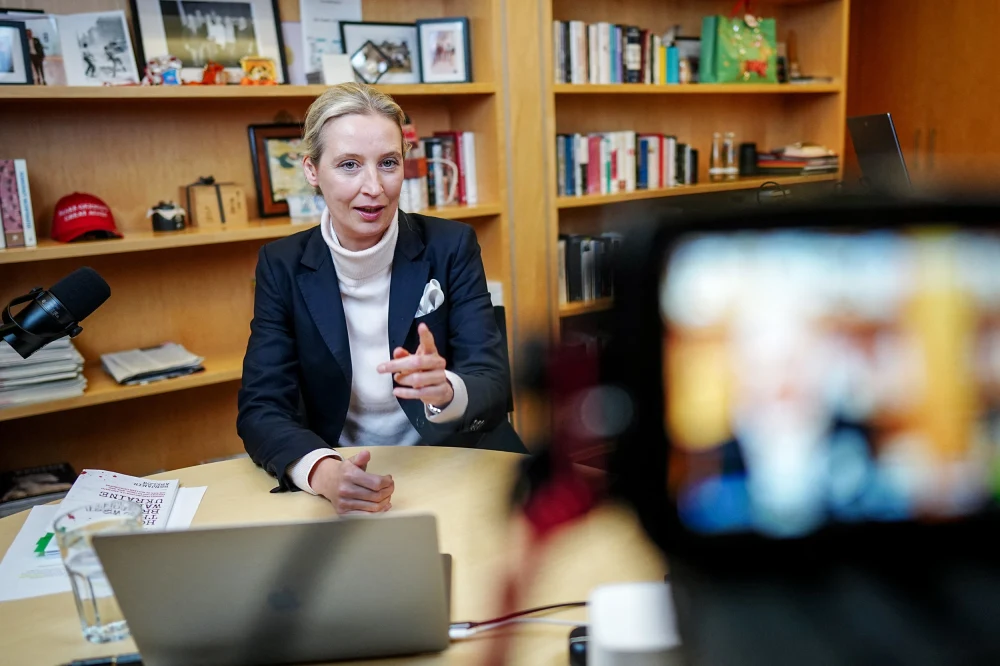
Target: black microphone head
x=81 y=292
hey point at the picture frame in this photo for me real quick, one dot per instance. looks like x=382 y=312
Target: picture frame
x=277 y=166
x=199 y=31
x=15 y=61
x=397 y=41
x=445 y=50
x=97 y=49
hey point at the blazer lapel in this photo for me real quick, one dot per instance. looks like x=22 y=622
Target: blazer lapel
x=321 y=291
x=409 y=277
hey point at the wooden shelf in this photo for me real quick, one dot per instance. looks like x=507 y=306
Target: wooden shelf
x=697 y=88
x=225 y=92
x=139 y=241
x=101 y=388
x=682 y=190
x=586 y=307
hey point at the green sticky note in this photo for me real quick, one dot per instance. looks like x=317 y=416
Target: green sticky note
x=43 y=543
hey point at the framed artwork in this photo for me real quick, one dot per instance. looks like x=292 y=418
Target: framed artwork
x=445 y=53
x=45 y=51
x=97 y=49
x=277 y=155
x=389 y=47
x=15 y=61
x=202 y=31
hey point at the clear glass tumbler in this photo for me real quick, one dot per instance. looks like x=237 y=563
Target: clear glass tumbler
x=100 y=617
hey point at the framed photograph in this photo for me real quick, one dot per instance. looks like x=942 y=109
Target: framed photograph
x=395 y=42
x=15 y=61
x=277 y=155
x=202 y=31
x=45 y=51
x=445 y=54
x=97 y=49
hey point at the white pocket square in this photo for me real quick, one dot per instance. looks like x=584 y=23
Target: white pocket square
x=432 y=299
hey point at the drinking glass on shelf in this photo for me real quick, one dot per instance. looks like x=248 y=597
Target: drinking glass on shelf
x=100 y=617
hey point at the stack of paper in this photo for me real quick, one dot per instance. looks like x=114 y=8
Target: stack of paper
x=51 y=373
x=32 y=566
x=140 y=366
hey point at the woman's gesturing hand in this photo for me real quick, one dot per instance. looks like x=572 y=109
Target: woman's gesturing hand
x=421 y=375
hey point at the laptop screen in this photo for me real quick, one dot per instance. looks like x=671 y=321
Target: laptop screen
x=879 y=155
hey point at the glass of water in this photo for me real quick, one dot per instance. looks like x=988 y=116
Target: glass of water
x=100 y=617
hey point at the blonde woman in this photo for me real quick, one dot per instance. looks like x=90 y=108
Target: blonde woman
x=374 y=328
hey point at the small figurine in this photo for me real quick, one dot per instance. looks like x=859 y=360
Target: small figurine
x=214 y=74
x=167 y=216
x=163 y=70
x=258 y=71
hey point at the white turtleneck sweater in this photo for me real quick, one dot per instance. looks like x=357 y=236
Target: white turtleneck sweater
x=374 y=417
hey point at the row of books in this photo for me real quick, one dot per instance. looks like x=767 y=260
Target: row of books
x=610 y=53
x=52 y=373
x=431 y=180
x=16 y=218
x=586 y=266
x=612 y=162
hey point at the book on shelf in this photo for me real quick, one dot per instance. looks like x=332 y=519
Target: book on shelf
x=586 y=266
x=16 y=216
x=798 y=160
x=609 y=53
x=613 y=162
x=52 y=373
x=429 y=182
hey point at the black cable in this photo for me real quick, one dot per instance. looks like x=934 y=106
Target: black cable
x=521 y=613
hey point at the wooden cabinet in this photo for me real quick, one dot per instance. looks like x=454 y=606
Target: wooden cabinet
x=929 y=64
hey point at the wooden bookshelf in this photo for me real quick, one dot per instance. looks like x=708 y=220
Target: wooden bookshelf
x=165 y=93
x=144 y=240
x=686 y=190
x=135 y=146
x=586 y=307
x=102 y=389
x=769 y=115
x=696 y=89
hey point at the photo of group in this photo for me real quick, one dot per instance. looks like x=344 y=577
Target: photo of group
x=201 y=31
x=198 y=32
x=97 y=49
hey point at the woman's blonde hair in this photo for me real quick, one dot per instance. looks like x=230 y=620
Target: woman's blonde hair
x=347 y=99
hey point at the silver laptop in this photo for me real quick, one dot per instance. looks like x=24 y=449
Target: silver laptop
x=282 y=593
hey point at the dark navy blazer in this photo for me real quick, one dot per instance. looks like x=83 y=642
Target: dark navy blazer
x=297 y=370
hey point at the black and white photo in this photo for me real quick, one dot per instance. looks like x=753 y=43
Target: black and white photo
x=15 y=61
x=97 y=49
x=201 y=31
x=396 y=41
x=444 y=50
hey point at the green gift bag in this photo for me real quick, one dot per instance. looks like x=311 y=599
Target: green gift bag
x=738 y=49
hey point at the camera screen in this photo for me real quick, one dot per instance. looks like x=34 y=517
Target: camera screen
x=814 y=378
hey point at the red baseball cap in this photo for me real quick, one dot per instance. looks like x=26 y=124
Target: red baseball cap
x=78 y=215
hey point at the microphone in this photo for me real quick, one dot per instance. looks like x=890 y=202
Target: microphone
x=55 y=313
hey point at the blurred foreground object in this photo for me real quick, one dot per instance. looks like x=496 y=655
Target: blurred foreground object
x=815 y=441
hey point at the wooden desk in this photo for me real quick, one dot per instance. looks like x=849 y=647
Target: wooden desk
x=467 y=490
